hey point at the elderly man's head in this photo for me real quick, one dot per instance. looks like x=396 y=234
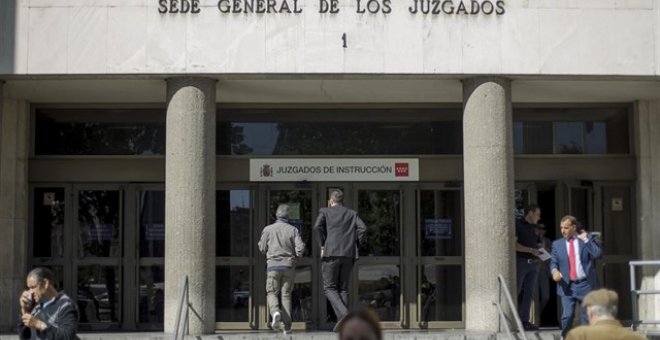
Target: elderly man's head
x=601 y=304
x=282 y=211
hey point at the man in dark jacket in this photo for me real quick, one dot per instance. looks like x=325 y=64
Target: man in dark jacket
x=45 y=313
x=340 y=231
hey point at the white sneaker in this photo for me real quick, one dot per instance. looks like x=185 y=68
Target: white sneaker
x=275 y=324
x=287 y=331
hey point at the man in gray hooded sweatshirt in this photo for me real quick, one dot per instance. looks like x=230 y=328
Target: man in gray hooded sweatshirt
x=282 y=244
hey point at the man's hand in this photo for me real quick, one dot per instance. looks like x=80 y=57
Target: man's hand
x=26 y=302
x=534 y=251
x=556 y=275
x=322 y=251
x=583 y=235
x=30 y=321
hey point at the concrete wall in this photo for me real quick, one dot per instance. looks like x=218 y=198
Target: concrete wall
x=648 y=201
x=540 y=37
x=14 y=124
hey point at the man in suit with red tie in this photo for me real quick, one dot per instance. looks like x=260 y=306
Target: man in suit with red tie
x=572 y=267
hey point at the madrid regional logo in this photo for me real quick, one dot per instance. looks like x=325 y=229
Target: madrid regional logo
x=266 y=171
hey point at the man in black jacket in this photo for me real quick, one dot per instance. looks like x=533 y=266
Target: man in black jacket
x=340 y=231
x=45 y=313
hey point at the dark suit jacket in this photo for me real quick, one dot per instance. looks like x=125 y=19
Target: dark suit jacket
x=589 y=252
x=340 y=230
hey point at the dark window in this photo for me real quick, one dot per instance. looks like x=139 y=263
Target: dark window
x=99 y=132
x=340 y=138
x=571 y=131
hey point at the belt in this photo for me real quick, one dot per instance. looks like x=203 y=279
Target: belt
x=579 y=281
x=530 y=261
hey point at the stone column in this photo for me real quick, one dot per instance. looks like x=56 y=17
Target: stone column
x=190 y=201
x=14 y=137
x=647 y=133
x=488 y=181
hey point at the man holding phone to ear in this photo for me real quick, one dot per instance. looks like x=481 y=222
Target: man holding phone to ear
x=572 y=267
x=46 y=313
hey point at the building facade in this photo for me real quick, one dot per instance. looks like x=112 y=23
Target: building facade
x=145 y=141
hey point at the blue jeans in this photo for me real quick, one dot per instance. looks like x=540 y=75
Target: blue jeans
x=569 y=297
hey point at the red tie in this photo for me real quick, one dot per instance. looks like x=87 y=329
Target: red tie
x=571 y=260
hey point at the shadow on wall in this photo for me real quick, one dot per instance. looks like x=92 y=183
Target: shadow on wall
x=8 y=13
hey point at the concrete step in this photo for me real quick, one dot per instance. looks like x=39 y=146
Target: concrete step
x=316 y=335
x=323 y=335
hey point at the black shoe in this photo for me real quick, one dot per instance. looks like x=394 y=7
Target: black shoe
x=529 y=327
x=336 y=328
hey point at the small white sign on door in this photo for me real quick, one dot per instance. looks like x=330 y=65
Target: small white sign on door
x=617 y=204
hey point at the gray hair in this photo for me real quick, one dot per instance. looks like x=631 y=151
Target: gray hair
x=337 y=196
x=601 y=311
x=40 y=274
x=282 y=211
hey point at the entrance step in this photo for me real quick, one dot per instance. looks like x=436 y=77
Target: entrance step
x=316 y=335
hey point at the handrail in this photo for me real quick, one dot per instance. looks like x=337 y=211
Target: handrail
x=634 y=292
x=183 y=302
x=514 y=311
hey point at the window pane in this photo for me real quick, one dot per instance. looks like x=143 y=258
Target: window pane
x=98 y=294
x=340 y=138
x=152 y=223
x=100 y=132
x=233 y=222
x=98 y=222
x=569 y=137
x=440 y=223
x=532 y=137
x=380 y=289
x=441 y=291
x=301 y=296
x=48 y=232
x=381 y=212
x=151 y=294
x=232 y=293
x=595 y=137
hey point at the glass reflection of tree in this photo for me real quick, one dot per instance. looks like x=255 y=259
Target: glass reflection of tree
x=353 y=138
x=238 y=147
x=380 y=212
x=102 y=138
x=98 y=214
x=57 y=226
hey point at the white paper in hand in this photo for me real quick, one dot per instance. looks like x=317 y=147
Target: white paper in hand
x=543 y=254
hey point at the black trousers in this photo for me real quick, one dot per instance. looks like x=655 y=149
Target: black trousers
x=336 y=273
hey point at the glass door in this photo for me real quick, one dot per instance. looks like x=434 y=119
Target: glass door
x=301 y=200
x=97 y=258
x=440 y=265
x=615 y=222
x=150 y=258
x=49 y=245
x=379 y=268
x=235 y=244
